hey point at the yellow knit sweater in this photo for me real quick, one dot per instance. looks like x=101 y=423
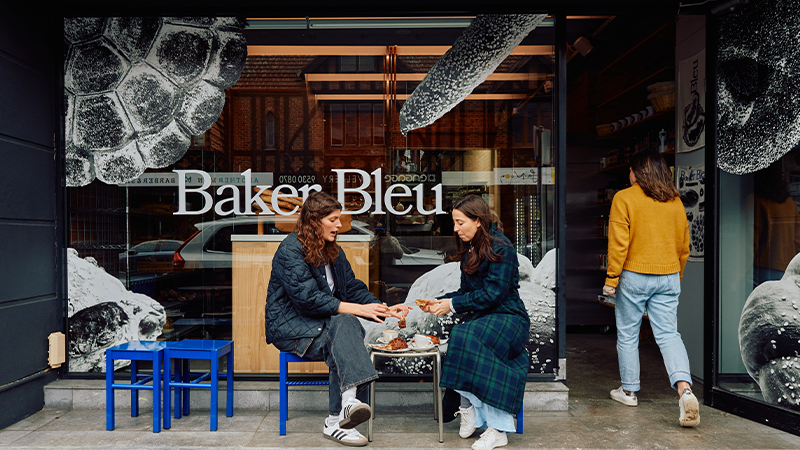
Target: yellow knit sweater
x=645 y=235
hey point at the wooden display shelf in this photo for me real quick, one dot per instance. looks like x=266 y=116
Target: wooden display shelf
x=626 y=131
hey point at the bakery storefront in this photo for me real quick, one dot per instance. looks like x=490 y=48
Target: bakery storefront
x=191 y=143
x=266 y=111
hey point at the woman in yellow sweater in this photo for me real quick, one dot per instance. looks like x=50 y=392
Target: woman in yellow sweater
x=648 y=244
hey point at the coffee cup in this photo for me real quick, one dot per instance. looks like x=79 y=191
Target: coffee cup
x=421 y=340
x=636 y=117
x=650 y=111
x=644 y=113
x=388 y=335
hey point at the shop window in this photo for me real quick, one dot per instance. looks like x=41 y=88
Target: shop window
x=759 y=343
x=350 y=126
x=361 y=63
x=269 y=132
x=337 y=126
x=364 y=124
x=377 y=125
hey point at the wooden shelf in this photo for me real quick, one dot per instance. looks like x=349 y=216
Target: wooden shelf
x=625 y=131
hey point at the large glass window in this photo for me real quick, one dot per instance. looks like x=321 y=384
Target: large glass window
x=759 y=318
x=319 y=110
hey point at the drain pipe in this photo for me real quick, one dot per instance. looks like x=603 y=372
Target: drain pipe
x=26 y=379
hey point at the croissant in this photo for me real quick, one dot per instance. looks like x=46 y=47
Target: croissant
x=395 y=344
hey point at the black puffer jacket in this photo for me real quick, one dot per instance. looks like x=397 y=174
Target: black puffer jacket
x=299 y=300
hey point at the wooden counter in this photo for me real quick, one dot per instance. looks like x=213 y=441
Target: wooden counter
x=252 y=266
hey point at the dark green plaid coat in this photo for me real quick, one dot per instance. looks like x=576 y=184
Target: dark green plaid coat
x=486 y=354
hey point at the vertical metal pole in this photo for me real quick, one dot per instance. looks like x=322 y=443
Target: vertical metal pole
x=560 y=138
x=711 y=286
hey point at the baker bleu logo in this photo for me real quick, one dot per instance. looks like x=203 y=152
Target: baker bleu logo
x=348 y=181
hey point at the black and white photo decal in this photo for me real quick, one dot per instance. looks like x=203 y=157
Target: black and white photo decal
x=102 y=313
x=475 y=55
x=691 y=183
x=536 y=289
x=138 y=88
x=769 y=337
x=758 y=117
x=691 y=98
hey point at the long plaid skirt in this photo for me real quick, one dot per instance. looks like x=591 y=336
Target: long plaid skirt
x=487 y=357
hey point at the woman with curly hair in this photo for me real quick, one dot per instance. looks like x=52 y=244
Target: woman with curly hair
x=312 y=303
x=486 y=359
x=648 y=245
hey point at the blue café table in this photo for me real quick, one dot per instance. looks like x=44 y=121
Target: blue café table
x=184 y=351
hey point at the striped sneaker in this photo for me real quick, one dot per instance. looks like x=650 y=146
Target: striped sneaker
x=350 y=437
x=353 y=414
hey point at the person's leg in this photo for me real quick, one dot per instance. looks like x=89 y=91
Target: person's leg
x=662 y=309
x=663 y=312
x=629 y=308
x=346 y=354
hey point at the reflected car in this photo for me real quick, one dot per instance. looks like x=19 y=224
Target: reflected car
x=210 y=246
x=149 y=256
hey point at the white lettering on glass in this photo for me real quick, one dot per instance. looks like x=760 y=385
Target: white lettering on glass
x=343 y=175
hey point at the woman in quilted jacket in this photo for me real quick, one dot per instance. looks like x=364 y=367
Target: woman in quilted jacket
x=486 y=359
x=312 y=303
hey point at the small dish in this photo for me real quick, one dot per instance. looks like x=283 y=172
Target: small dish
x=379 y=348
x=421 y=348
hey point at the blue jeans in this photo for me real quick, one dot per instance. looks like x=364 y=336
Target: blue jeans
x=658 y=294
x=341 y=346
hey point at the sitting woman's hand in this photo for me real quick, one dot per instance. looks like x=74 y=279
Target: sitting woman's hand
x=399 y=310
x=437 y=307
x=609 y=290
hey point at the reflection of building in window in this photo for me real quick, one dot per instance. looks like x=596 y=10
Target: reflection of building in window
x=360 y=63
x=356 y=125
x=269 y=132
x=777 y=225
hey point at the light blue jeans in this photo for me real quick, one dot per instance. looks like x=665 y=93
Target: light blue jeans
x=658 y=294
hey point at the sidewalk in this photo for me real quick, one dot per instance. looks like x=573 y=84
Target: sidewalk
x=592 y=421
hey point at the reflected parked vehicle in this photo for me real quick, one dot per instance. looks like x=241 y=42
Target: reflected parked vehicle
x=149 y=256
x=211 y=248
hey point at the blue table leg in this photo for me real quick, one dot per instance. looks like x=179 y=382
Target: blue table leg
x=186 y=391
x=134 y=392
x=214 y=391
x=229 y=384
x=284 y=394
x=178 y=392
x=109 y=391
x=157 y=395
x=167 y=393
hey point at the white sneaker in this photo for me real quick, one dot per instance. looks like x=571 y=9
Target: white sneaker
x=490 y=439
x=690 y=409
x=467 y=421
x=350 y=437
x=621 y=396
x=353 y=413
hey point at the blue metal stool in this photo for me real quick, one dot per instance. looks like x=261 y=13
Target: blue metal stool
x=184 y=351
x=135 y=351
x=519 y=422
x=285 y=359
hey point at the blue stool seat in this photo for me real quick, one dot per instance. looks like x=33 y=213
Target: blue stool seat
x=184 y=351
x=135 y=351
x=285 y=359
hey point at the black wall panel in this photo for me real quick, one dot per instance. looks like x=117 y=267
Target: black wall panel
x=31 y=279
x=26 y=192
x=26 y=325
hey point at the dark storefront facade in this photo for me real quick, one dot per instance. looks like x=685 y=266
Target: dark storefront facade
x=318 y=104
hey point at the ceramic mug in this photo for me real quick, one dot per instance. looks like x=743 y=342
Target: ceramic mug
x=650 y=111
x=388 y=335
x=628 y=120
x=644 y=113
x=620 y=124
x=637 y=117
x=421 y=340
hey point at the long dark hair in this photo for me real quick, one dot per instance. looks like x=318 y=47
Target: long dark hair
x=475 y=208
x=653 y=176
x=318 y=250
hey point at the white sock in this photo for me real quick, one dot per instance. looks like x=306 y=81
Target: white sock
x=348 y=394
x=331 y=420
